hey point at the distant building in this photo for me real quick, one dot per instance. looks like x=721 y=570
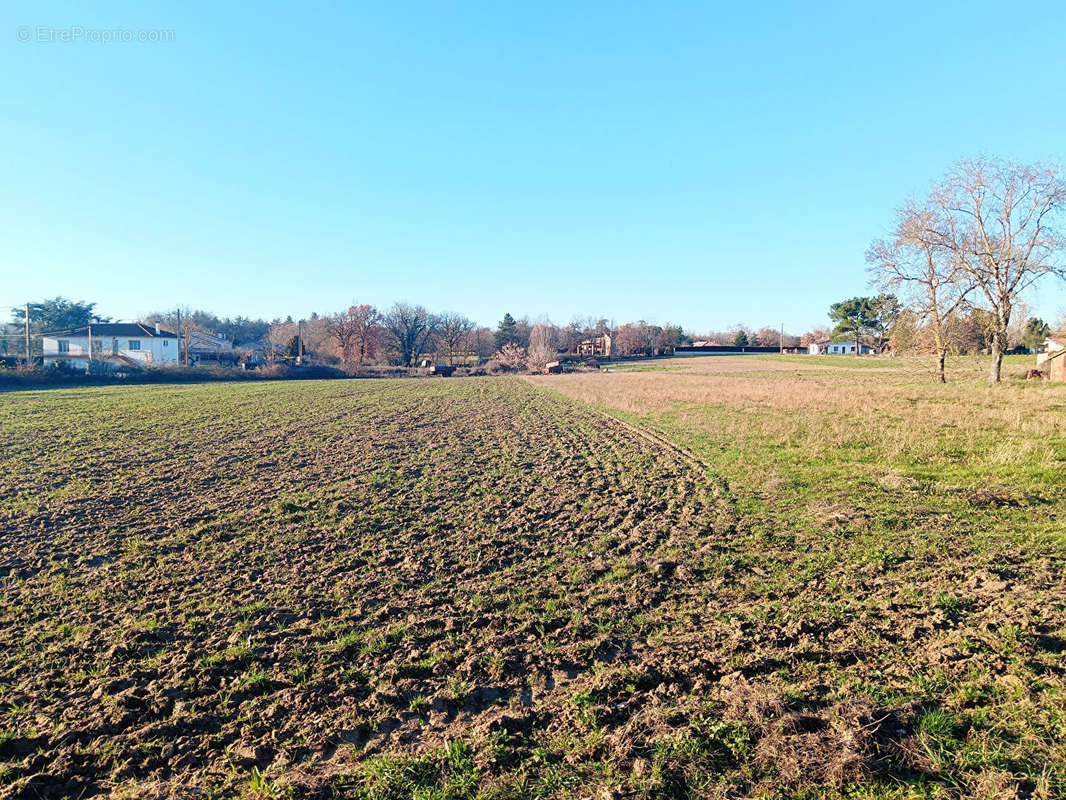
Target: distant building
x=129 y=343
x=206 y=346
x=597 y=346
x=830 y=347
x=1052 y=357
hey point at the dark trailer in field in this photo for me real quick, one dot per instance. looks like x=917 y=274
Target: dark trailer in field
x=444 y=370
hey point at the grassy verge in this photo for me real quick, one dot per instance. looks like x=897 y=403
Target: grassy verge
x=928 y=521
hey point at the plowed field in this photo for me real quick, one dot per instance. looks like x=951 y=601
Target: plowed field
x=469 y=588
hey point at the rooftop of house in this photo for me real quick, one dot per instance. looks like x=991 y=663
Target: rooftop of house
x=134 y=329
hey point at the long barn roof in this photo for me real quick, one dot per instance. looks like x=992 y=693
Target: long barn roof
x=134 y=329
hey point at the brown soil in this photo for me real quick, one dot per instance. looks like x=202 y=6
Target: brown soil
x=294 y=580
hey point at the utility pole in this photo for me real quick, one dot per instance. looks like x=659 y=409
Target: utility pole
x=781 y=341
x=186 y=362
x=27 y=334
x=300 y=341
x=88 y=365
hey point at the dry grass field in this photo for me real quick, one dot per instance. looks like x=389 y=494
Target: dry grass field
x=700 y=577
x=910 y=543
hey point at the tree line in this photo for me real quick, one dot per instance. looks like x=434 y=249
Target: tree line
x=967 y=329
x=951 y=277
x=60 y=313
x=403 y=334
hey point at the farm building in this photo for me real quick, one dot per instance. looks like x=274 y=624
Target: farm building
x=831 y=347
x=129 y=343
x=596 y=346
x=1052 y=358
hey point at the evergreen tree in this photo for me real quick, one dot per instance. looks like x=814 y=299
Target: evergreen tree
x=507 y=332
x=854 y=318
x=56 y=314
x=1036 y=331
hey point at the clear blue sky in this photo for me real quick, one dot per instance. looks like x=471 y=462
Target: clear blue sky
x=673 y=161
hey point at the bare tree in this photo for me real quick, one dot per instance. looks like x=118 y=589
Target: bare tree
x=278 y=337
x=185 y=322
x=637 y=338
x=187 y=331
x=626 y=339
x=908 y=334
x=482 y=342
x=929 y=275
x=356 y=333
x=455 y=332
x=1016 y=330
x=1060 y=326
x=571 y=336
x=816 y=334
x=997 y=219
x=411 y=328
x=317 y=338
x=543 y=347
x=769 y=337
x=648 y=337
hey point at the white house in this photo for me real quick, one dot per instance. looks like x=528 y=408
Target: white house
x=123 y=342
x=836 y=348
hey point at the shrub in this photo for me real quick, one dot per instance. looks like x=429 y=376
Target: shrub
x=511 y=356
